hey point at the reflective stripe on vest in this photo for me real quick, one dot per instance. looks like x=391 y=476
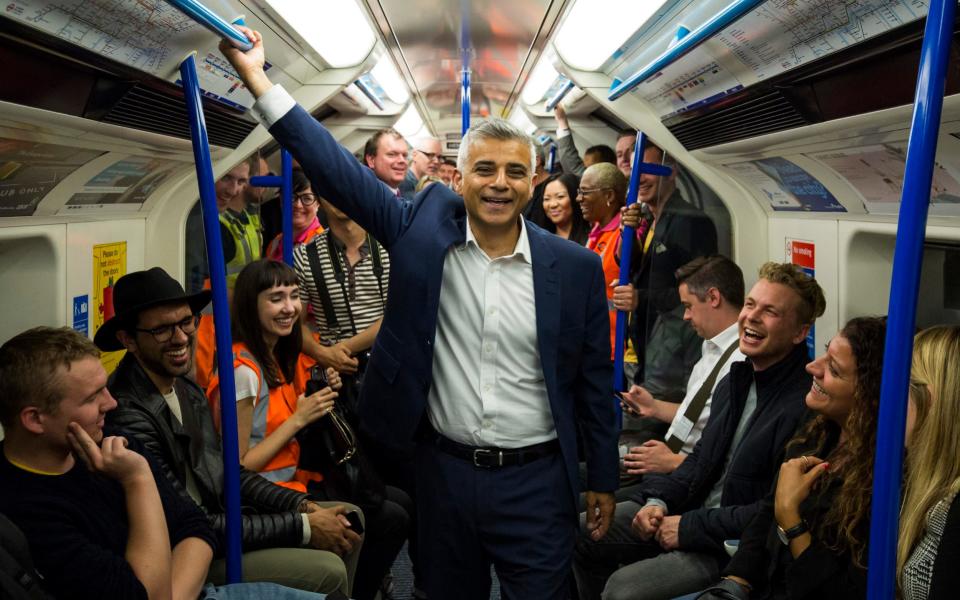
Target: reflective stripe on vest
x=247 y=241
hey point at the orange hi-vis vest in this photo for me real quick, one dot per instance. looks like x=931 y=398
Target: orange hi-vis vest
x=271 y=408
x=606 y=242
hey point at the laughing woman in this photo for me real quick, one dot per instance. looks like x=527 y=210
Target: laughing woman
x=305 y=221
x=809 y=539
x=929 y=548
x=267 y=341
x=559 y=204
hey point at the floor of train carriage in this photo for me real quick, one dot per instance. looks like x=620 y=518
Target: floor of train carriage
x=403 y=578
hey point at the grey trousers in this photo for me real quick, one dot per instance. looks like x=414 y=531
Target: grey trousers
x=305 y=569
x=649 y=573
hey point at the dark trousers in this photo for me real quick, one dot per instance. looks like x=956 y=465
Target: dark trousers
x=521 y=519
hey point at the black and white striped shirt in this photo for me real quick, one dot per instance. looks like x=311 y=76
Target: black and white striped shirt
x=360 y=286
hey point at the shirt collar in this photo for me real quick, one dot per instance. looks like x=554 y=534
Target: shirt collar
x=726 y=337
x=597 y=230
x=303 y=234
x=521 y=250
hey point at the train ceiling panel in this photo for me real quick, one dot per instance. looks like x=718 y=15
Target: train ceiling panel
x=503 y=38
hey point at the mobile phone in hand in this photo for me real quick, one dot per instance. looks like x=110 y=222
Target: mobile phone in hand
x=317 y=381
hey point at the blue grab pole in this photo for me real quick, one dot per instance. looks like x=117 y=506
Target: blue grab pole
x=465 y=99
x=552 y=160
x=212 y=21
x=221 y=316
x=688 y=42
x=904 y=288
x=626 y=249
x=286 y=204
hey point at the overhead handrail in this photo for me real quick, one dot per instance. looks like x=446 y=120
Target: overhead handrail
x=221 y=315
x=904 y=289
x=369 y=93
x=558 y=97
x=212 y=21
x=284 y=182
x=688 y=42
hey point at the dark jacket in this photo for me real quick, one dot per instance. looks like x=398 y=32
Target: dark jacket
x=819 y=573
x=683 y=232
x=753 y=466
x=270 y=516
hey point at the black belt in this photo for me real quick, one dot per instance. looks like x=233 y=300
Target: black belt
x=493 y=458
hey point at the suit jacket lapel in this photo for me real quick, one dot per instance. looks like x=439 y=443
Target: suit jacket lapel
x=546 y=292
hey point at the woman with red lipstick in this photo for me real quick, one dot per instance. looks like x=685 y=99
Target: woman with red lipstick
x=810 y=538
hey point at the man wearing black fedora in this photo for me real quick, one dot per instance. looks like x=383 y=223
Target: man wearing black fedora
x=287 y=538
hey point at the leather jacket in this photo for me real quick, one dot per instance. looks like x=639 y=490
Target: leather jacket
x=270 y=516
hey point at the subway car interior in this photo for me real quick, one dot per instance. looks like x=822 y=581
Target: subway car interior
x=792 y=125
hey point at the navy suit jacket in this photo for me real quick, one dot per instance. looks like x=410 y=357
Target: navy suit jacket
x=571 y=307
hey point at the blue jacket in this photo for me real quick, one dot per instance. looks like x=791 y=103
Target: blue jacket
x=572 y=322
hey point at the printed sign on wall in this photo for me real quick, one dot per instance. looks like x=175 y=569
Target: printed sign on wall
x=802 y=254
x=81 y=314
x=109 y=264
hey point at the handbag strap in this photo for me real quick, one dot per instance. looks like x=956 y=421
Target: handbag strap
x=699 y=402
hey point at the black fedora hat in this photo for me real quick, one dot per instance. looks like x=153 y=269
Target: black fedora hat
x=139 y=291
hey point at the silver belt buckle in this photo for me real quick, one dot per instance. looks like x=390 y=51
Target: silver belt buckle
x=482 y=452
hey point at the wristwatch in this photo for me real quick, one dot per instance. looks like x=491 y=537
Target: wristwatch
x=797 y=530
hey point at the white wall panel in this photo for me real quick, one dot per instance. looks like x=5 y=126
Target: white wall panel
x=32 y=277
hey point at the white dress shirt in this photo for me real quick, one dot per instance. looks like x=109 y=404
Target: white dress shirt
x=488 y=387
x=710 y=353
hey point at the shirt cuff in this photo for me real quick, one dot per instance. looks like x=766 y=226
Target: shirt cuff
x=656 y=502
x=272 y=106
x=562 y=133
x=306 y=530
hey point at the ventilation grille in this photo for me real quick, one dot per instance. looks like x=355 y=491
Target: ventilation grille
x=158 y=112
x=763 y=114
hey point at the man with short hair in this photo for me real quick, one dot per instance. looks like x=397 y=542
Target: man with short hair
x=567 y=148
x=626 y=143
x=425 y=159
x=711 y=292
x=386 y=154
x=287 y=538
x=670 y=534
x=113 y=526
x=469 y=363
x=447 y=170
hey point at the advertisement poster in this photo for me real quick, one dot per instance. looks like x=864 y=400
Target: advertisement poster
x=876 y=173
x=127 y=181
x=28 y=170
x=803 y=254
x=109 y=264
x=787 y=186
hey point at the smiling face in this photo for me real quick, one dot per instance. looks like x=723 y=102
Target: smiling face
x=595 y=201
x=625 y=146
x=654 y=189
x=769 y=324
x=279 y=309
x=230 y=188
x=557 y=204
x=166 y=360
x=834 y=381
x=390 y=161
x=446 y=173
x=303 y=215
x=497 y=183
x=426 y=158
x=85 y=401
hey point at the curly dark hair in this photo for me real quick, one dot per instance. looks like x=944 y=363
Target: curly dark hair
x=846 y=525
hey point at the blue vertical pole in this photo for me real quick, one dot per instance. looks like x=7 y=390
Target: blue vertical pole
x=221 y=316
x=626 y=249
x=286 y=204
x=904 y=288
x=552 y=160
x=465 y=98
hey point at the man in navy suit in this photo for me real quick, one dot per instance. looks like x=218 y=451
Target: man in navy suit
x=493 y=352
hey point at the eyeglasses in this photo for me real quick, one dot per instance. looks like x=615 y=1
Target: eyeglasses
x=431 y=156
x=306 y=198
x=585 y=191
x=163 y=333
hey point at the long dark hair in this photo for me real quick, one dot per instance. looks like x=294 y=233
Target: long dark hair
x=846 y=525
x=579 y=229
x=256 y=277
